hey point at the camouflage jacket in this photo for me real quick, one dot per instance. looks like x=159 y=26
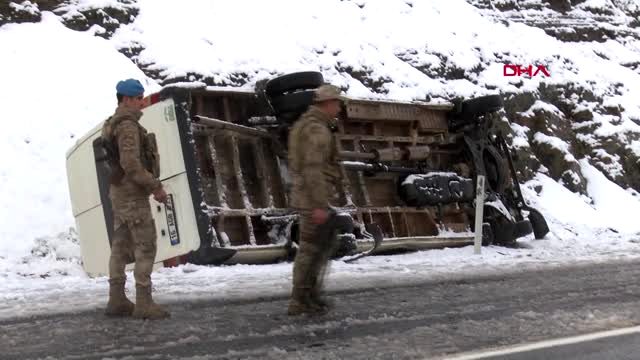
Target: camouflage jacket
x=313 y=164
x=136 y=169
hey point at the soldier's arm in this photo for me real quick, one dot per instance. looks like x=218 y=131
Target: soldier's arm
x=315 y=154
x=129 y=147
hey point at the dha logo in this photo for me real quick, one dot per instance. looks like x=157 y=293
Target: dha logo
x=519 y=70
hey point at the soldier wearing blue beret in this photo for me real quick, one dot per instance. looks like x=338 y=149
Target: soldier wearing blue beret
x=135 y=171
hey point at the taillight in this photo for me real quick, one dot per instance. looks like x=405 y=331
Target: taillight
x=175 y=261
x=151 y=99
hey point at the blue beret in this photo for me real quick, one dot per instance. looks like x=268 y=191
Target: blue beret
x=130 y=87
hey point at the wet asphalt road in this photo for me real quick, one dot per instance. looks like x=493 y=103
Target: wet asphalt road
x=430 y=320
x=626 y=347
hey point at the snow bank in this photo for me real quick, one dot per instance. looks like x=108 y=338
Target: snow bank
x=400 y=44
x=57 y=84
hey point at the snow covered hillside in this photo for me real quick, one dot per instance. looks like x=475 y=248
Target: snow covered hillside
x=577 y=132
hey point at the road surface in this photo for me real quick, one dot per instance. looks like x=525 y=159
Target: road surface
x=424 y=321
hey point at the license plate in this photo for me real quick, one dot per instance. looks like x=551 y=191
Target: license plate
x=172 y=221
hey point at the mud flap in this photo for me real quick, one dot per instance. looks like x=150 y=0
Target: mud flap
x=505 y=229
x=538 y=222
x=211 y=255
x=376 y=233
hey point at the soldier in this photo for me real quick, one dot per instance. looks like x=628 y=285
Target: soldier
x=314 y=171
x=135 y=169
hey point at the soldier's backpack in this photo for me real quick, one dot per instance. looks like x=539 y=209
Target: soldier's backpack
x=107 y=156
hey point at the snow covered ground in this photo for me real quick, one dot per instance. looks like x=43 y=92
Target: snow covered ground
x=58 y=83
x=49 y=286
x=580 y=233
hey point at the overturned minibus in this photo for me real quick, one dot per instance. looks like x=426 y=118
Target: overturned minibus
x=409 y=167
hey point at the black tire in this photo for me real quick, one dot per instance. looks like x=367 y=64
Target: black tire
x=289 y=117
x=522 y=228
x=294 y=81
x=538 y=223
x=501 y=227
x=296 y=102
x=346 y=246
x=481 y=105
x=503 y=230
x=487 y=235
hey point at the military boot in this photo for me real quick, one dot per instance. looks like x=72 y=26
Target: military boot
x=145 y=307
x=297 y=303
x=316 y=298
x=301 y=303
x=319 y=301
x=118 y=304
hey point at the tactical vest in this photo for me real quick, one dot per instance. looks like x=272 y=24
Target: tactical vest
x=148 y=151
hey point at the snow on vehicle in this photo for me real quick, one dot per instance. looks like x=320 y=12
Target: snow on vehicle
x=409 y=167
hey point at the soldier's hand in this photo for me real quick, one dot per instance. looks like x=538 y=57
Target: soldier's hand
x=160 y=195
x=319 y=216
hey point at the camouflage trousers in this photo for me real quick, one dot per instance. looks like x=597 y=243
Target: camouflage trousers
x=134 y=240
x=312 y=257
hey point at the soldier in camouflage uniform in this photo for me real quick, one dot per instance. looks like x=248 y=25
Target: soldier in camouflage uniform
x=135 y=170
x=314 y=173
